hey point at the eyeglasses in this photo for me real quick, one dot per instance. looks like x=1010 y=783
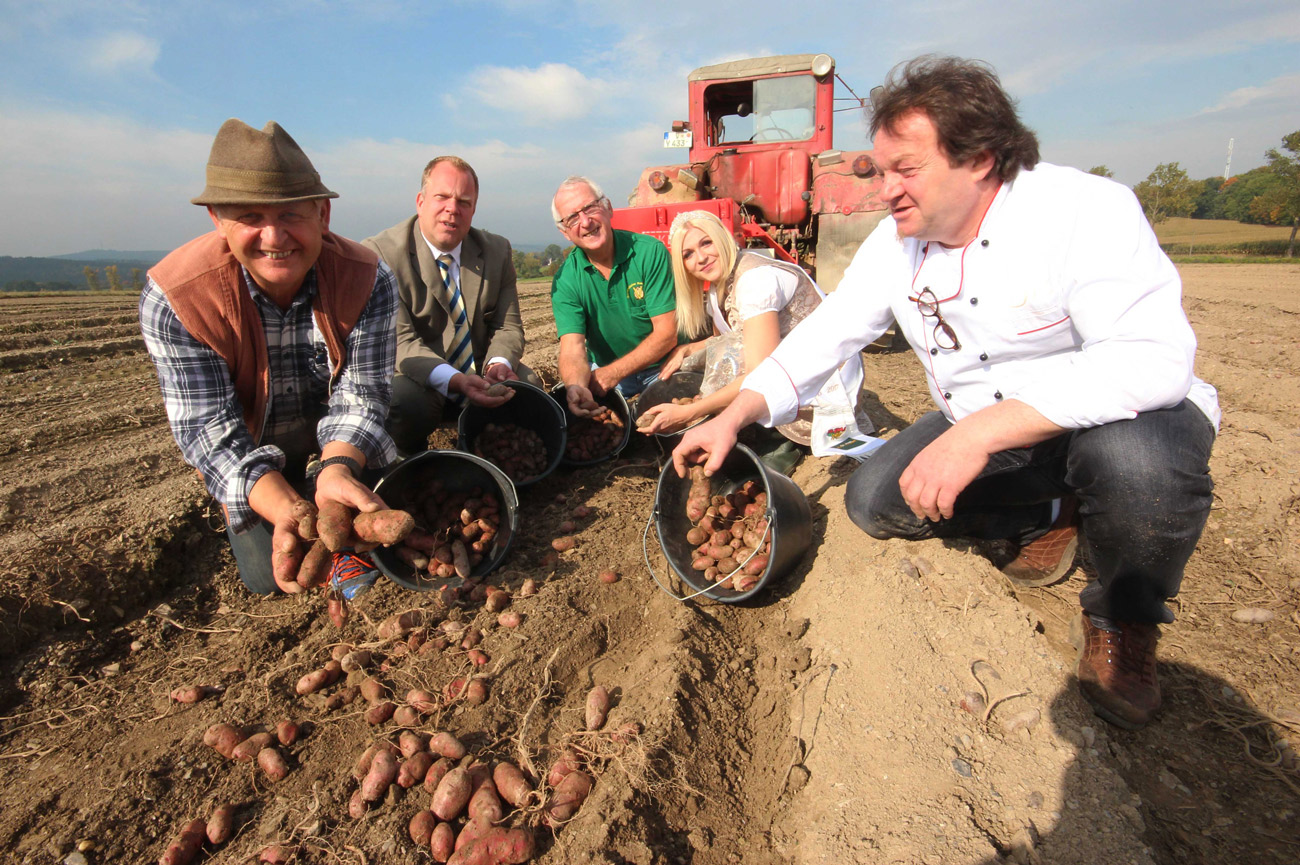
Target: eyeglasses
x=928 y=305
x=591 y=210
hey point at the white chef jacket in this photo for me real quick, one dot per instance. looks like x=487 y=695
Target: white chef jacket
x=1063 y=301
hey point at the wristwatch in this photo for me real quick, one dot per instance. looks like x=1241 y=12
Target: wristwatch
x=353 y=465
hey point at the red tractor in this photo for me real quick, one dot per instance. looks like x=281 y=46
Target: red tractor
x=761 y=158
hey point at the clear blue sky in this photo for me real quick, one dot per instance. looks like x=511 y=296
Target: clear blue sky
x=107 y=109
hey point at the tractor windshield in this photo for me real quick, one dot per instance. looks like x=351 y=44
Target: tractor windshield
x=769 y=109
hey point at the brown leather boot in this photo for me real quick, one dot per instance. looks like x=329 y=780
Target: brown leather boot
x=1117 y=670
x=1048 y=559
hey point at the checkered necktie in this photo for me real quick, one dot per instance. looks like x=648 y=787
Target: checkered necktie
x=461 y=355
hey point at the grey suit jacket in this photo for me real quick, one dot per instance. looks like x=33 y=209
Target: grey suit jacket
x=424 y=326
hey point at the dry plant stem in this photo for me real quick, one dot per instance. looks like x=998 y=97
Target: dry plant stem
x=521 y=740
x=990 y=703
x=175 y=624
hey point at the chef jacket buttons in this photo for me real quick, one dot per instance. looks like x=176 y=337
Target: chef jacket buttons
x=974 y=301
x=934 y=351
x=984 y=355
x=997 y=394
x=947 y=395
x=984 y=243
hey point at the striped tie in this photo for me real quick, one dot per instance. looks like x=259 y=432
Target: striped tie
x=461 y=355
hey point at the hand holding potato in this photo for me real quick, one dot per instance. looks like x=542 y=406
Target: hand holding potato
x=665 y=418
x=499 y=372
x=580 y=400
x=479 y=390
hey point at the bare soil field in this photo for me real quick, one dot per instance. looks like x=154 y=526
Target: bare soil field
x=820 y=722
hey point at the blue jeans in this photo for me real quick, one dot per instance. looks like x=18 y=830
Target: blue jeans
x=1143 y=487
x=252 y=548
x=636 y=382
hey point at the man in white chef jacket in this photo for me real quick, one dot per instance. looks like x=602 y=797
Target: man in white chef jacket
x=1050 y=328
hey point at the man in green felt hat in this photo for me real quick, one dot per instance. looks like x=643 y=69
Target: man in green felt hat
x=274 y=341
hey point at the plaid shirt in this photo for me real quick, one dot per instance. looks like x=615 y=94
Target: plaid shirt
x=205 y=413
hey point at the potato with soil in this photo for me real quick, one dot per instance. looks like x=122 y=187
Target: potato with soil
x=516 y=450
x=593 y=438
x=497 y=846
x=183 y=850
x=384 y=526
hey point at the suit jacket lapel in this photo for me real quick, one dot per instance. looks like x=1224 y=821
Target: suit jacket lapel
x=427 y=267
x=471 y=276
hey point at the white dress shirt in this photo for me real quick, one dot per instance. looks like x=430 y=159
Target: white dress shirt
x=440 y=375
x=1063 y=301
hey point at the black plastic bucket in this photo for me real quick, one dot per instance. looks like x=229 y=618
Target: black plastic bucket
x=789 y=520
x=531 y=408
x=456 y=471
x=612 y=400
x=679 y=384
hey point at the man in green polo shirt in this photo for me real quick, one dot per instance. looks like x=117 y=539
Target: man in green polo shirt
x=613 y=301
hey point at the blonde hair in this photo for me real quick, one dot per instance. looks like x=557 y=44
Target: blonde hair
x=692 y=317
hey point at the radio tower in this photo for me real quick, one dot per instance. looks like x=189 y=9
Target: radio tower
x=1227 y=166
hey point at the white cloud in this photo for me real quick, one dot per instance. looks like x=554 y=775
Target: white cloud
x=122 y=51
x=1282 y=93
x=548 y=94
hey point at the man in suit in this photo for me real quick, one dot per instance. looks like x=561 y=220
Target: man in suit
x=458 y=325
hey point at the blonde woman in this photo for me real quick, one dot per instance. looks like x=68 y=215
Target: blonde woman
x=735 y=306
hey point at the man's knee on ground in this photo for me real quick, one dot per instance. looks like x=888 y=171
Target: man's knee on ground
x=866 y=502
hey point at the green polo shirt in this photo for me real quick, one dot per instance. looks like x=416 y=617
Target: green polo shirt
x=614 y=315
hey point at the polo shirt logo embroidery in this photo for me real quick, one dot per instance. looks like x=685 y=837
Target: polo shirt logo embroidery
x=636 y=290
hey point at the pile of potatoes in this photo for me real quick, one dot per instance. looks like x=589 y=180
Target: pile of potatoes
x=729 y=533
x=453 y=530
x=216 y=830
x=517 y=451
x=236 y=743
x=595 y=437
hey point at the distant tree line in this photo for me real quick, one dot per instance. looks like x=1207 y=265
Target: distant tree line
x=539 y=265
x=1268 y=195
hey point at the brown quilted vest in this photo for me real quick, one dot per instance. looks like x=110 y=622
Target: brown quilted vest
x=202 y=282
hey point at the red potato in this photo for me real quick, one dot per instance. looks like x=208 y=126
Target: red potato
x=565 y=764
x=373 y=689
x=473 y=636
x=221 y=825
x=460 y=559
x=414 y=770
x=446 y=745
x=385 y=527
x=528 y=589
x=510 y=619
x=443 y=842
x=421 y=541
x=223 y=738
x=337 y=607
x=422 y=701
x=421 y=827
x=453 y=690
x=567 y=527
x=569 y=795
x=597 y=707
x=410 y=743
x=315 y=566
x=511 y=784
x=322 y=678
x=357 y=659
x=609 y=577
x=276 y=854
x=334 y=525
x=186 y=846
x=436 y=773
x=271 y=762
x=193 y=693
x=285 y=565
x=380 y=713
x=406 y=716
x=382 y=774
x=582 y=512
x=452 y=794
x=496 y=846
x=286 y=732
x=356 y=806
x=477 y=657
x=497 y=600
x=563 y=545
x=247 y=750
x=471 y=832
x=413 y=557
x=304 y=514
x=485 y=804
x=342 y=697
x=476 y=691
x=480 y=775
x=400 y=624
x=363 y=762
x=697 y=497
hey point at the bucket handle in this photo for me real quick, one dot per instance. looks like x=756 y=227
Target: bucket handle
x=770 y=516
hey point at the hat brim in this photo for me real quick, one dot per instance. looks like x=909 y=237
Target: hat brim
x=210 y=197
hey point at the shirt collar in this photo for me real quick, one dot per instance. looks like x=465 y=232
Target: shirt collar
x=306 y=291
x=622 y=250
x=454 y=253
